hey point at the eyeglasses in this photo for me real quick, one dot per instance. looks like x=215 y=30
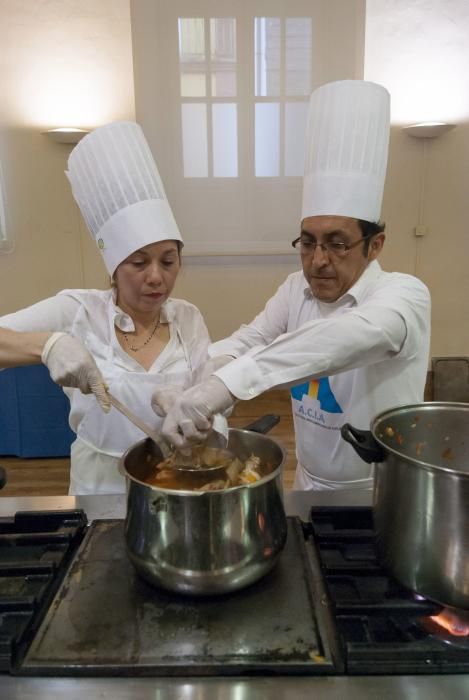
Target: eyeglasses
x=307 y=245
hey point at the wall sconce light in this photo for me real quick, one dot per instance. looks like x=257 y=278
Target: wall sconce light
x=428 y=130
x=65 y=134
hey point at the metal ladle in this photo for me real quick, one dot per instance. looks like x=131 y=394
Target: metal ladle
x=183 y=462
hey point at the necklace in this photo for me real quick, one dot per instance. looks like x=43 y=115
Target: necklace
x=135 y=348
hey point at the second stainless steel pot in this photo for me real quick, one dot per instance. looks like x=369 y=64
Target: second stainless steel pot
x=421 y=496
x=211 y=542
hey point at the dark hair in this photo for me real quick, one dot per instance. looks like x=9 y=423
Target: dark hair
x=369 y=229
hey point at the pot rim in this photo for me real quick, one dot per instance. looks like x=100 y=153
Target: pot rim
x=427 y=406
x=187 y=492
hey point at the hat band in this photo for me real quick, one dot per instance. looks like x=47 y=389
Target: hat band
x=356 y=195
x=134 y=227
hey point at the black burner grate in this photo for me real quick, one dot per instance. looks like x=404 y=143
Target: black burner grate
x=35 y=549
x=378 y=621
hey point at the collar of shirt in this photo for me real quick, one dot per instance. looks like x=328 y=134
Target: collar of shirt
x=356 y=291
x=125 y=323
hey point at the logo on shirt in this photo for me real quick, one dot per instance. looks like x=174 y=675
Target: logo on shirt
x=320 y=390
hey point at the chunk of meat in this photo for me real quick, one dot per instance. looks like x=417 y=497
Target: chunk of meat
x=233 y=471
x=217 y=485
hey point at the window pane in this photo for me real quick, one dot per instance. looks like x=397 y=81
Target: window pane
x=225 y=140
x=267 y=37
x=267 y=139
x=298 y=56
x=224 y=84
x=194 y=140
x=223 y=56
x=295 y=131
x=192 y=56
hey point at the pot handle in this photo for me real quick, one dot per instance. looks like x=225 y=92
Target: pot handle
x=363 y=443
x=263 y=425
x=3 y=477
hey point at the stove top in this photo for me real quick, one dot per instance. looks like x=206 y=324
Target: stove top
x=72 y=604
x=105 y=620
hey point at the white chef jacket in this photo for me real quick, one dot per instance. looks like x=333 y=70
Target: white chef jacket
x=346 y=361
x=90 y=315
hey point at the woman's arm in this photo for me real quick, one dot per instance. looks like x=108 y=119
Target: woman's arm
x=17 y=348
x=39 y=333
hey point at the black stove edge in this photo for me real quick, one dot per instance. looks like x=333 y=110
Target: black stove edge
x=322 y=606
x=179 y=671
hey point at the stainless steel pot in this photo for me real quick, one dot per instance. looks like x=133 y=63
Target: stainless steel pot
x=211 y=542
x=421 y=496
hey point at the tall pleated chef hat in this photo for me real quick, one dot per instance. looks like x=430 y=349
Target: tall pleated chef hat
x=119 y=191
x=347 y=142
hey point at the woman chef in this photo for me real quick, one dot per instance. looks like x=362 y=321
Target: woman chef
x=130 y=339
x=350 y=339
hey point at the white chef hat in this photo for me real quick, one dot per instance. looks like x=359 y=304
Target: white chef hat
x=347 y=142
x=117 y=186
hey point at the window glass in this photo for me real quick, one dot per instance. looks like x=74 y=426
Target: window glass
x=267 y=51
x=192 y=56
x=225 y=140
x=194 y=140
x=267 y=132
x=298 y=57
x=296 y=114
x=223 y=56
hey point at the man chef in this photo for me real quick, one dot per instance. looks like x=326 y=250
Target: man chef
x=349 y=339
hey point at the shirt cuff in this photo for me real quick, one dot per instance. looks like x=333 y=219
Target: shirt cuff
x=243 y=378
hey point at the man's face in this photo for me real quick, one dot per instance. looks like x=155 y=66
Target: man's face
x=331 y=274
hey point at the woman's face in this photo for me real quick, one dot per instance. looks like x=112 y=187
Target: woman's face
x=146 y=278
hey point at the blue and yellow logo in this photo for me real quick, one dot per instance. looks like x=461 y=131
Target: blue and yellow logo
x=320 y=390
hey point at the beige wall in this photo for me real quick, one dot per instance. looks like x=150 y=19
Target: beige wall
x=65 y=63
x=80 y=53
x=420 y=52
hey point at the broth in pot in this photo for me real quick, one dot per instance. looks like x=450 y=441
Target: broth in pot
x=211 y=469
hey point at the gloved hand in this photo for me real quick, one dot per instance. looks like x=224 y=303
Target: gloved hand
x=164 y=398
x=190 y=419
x=213 y=364
x=70 y=364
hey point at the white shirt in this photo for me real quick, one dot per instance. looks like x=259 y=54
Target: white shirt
x=347 y=361
x=91 y=315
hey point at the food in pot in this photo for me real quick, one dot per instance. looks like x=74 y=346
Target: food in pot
x=231 y=472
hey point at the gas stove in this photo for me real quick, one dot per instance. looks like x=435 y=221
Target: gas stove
x=71 y=604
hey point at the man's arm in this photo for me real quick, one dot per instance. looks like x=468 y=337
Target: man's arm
x=393 y=322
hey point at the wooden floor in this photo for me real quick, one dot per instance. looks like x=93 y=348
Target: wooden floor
x=50 y=477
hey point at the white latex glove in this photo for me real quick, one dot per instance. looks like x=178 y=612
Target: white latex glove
x=190 y=419
x=213 y=364
x=164 y=397
x=70 y=364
